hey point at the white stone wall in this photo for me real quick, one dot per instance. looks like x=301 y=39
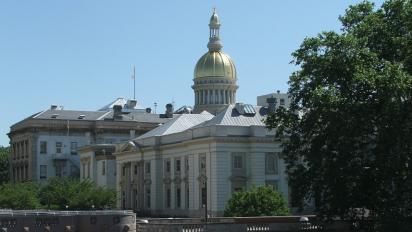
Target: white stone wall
x=219 y=171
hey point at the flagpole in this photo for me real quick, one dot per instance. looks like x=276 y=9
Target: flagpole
x=134 y=82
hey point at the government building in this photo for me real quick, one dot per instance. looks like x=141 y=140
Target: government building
x=194 y=162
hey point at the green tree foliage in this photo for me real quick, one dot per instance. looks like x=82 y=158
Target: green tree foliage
x=261 y=201
x=77 y=195
x=4 y=164
x=348 y=132
x=19 y=196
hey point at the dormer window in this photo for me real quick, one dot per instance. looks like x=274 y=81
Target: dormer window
x=54 y=115
x=82 y=116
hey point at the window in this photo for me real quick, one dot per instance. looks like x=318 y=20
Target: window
x=186 y=165
x=88 y=170
x=147 y=167
x=187 y=198
x=73 y=148
x=282 y=101
x=178 y=198
x=84 y=170
x=135 y=169
x=271 y=163
x=168 y=166
x=168 y=197
x=43 y=147
x=124 y=170
x=237 y=161
x=73 y=170
x=43 y=172
x=59 y=146
x=177 y=165
x=103 y=167
x=202 y=161
x=203 y=197
x=123 y=199
x=148 y=197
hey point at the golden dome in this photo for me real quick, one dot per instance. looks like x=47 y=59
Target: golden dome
x=215 y=64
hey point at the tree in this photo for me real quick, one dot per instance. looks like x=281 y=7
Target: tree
x=58 y=193
x=347 y=136
x=19 y=196
x=4 y=164
x=261 y=201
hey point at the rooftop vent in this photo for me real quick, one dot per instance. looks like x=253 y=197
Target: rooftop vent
x=82 y=116
x=169 y=110
x=245 y=109
x=54 y=115
x=117 y=112
x=131 y=104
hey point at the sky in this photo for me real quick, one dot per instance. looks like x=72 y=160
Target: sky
x=79 y=54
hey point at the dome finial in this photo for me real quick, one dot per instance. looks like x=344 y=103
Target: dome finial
x=214 y=25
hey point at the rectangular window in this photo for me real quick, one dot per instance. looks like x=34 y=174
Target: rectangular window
x=282 y=101
x=135 y=169
x=59 y=146
x=203 y=197
x=177 y=165
x=124 y=170
x=73 y=148
x=202 y=162
x=73 y=170
x=272 y=163
x=148 y=197
x=84 y=170
x=147 y=168
x=187 y=165
x=43 y=147
x=237 y=161
x=88 y=170
x=168 y=197
x=43 y=172
x=168 y=166
x=103 y=167
x=187 y=198
x=178 y=198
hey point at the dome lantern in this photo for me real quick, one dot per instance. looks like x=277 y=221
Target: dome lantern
x=215 y=75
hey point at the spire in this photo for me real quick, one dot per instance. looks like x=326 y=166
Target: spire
x=214 y=39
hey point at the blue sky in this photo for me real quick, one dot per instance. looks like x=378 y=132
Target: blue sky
x=80 y=54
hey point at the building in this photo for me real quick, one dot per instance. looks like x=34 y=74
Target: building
x=278 y=98
x=46 y=143
x=215 y=80
x=194 y=162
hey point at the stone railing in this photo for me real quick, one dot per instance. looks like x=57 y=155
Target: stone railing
x=41 y=220
x=236 y=224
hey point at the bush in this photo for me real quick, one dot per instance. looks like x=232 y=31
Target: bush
x=19 y=196
x=261 y=201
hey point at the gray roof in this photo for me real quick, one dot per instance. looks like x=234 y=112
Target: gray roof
x=69 y=114
x=178 y=124
x=231 y=117
x=99 y=115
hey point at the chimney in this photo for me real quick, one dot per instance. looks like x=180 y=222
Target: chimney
x=117 y=111
x=149 y=110
x=169 y=110
x=271 y=104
